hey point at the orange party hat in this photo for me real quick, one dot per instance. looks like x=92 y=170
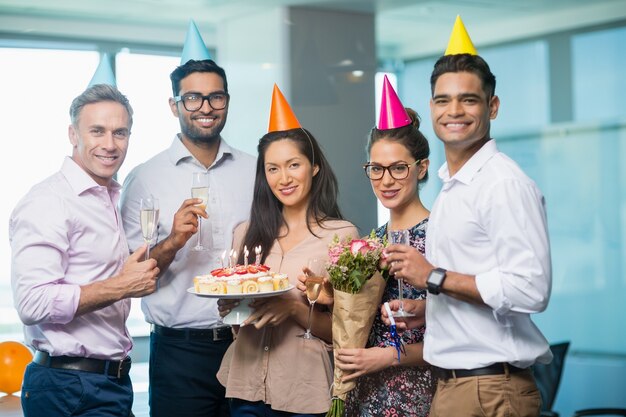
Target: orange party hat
x=281 y=115
x=460 y=42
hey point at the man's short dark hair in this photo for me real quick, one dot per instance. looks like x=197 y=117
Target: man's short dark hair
x=206 y=65
x=465 y=63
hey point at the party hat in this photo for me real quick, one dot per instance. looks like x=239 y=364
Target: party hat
x=281 y=115
x=392 y=112
x=104 y=73
x=460 y=42
x=194 y=47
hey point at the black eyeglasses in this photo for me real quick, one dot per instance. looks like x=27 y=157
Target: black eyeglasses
x=193 y=102
x=397 y=171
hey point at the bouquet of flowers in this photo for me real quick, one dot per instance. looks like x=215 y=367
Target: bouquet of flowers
x=355 y=274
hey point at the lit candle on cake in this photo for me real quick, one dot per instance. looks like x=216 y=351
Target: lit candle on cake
x=245 y=256
x=223 y=258
x=230 y=258
x=257 y=251
x=233 y=258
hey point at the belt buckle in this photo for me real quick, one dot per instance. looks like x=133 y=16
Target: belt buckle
x=216 y=336
x=119 y=369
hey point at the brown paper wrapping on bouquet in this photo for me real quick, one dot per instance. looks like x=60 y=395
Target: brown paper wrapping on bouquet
x=353 y=315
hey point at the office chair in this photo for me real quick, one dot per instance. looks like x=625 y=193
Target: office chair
x=548 y=378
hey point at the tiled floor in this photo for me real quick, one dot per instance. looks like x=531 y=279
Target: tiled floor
x=10 y=404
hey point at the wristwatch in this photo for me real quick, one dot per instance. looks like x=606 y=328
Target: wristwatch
x=435 y=280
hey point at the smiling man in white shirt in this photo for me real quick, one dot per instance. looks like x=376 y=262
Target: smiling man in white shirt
x=487 y=264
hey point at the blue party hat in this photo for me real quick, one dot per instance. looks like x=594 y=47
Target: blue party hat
x=194 y=46
x=104 y=73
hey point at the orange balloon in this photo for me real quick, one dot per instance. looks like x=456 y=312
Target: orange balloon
x=14 y=357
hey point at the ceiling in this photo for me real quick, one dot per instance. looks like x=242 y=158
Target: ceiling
x=405 y=29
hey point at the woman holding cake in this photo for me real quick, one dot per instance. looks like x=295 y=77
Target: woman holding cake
x=398 y=163
x=269 y=370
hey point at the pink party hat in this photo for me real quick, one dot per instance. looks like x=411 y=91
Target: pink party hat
x=392 y=112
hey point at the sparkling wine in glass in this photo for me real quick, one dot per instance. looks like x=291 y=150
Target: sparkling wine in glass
x=149 y=219
x=400 y=237
x=314 y=284
x=200 y=189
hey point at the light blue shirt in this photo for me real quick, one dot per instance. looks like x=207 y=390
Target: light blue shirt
x=167 y=177
x=67 y=232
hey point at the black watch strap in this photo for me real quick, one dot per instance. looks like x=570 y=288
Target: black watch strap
x=435 y=280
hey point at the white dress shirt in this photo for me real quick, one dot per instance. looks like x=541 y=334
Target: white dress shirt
x=67 y=232
x=489 y=220
x=167 y=176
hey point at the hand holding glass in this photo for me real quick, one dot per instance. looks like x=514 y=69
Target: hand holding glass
x=400 y=237
x=149 y=219
x=200 y=189
x=314 y=284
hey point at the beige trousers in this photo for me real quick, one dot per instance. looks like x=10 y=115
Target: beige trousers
x=512 y=395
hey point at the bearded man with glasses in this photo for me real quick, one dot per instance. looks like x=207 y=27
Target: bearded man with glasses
x=188 y=339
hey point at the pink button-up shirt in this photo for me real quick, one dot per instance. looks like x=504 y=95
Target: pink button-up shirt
x=67 y=232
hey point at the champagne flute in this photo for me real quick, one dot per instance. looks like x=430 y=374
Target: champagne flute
x=400 y=237
x=149 y=219
x=314 y=284
x=200 y=189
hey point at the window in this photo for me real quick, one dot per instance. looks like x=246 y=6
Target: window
x=597 y=76
x=521 y=72
x=36 y=138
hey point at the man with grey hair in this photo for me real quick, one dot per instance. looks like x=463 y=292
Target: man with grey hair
x=71 y=275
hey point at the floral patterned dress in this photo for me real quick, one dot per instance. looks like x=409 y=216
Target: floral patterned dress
x=401 y=391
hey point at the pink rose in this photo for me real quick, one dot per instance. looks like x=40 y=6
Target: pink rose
x=334 y=253
x=359 y=245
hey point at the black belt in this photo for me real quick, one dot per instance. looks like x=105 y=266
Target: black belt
x=495 y=369
x=117 y=369
x=216 y=334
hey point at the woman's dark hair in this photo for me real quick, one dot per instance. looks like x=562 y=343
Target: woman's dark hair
x=409 y=136
x=191 y=66
x=266 y=217
x=465 y=63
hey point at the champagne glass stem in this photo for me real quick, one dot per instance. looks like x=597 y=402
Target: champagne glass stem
x=199 y=232
x=307 y=335
x=148 y=250
x=400 y=293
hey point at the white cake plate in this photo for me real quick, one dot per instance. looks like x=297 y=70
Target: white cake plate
x=240 y=313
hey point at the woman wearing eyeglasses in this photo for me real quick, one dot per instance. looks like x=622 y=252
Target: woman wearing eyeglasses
x=398 y=163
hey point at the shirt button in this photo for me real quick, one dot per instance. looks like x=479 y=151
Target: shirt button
x=266 y=348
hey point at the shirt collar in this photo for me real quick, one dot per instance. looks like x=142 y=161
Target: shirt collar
x=472 y=166
x=178 y=152
x=80 y=181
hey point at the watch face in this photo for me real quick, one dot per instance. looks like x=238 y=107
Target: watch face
x=436 y=277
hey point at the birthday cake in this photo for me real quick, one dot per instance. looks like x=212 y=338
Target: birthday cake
x=240 y=279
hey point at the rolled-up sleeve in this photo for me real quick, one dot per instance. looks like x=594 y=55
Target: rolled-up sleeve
x=39 y=240
x=515 y=220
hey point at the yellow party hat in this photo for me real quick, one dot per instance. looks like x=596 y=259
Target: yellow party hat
x=460 y=42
